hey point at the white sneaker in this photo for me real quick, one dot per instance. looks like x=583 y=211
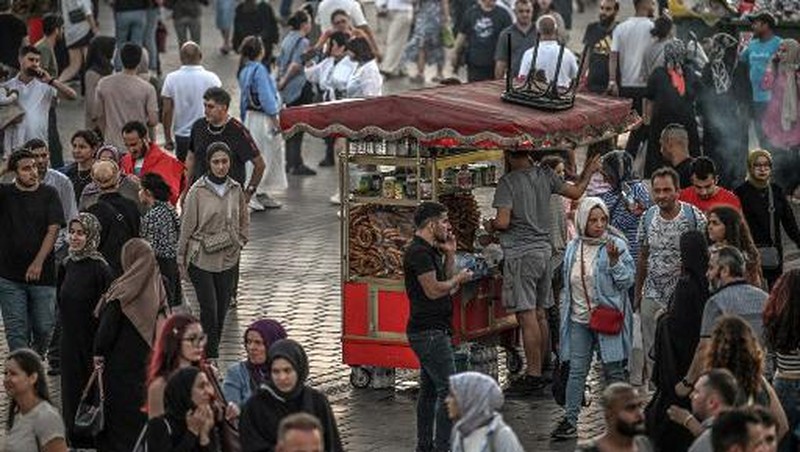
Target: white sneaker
x=256 y=206
x=336 y=199
x=269 y=202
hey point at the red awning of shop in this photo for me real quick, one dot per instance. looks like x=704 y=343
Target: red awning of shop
x=464 y=115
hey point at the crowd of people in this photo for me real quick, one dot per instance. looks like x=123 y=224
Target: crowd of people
x=664 y=260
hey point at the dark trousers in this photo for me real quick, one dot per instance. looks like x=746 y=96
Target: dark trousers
x=638 y=135
x=54 y=140
x=213 y=295
x=759 y=108
x=181 y=147
x=294 y=145
x=479 y=73
x=435 y=353
x=329 y=149
x=172 y=280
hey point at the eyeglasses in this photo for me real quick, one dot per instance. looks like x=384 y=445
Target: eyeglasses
x=197 y=340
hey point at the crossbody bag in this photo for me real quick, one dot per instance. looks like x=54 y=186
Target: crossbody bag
x=770 y=257
x=219 y=241
x=602 y=319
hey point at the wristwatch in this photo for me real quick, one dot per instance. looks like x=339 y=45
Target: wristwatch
x=250 y=190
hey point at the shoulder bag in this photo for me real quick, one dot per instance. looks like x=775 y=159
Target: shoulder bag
x=602 y=319
x=228 y=430
x=89 y=418
x=770 y=257
x=214 y=243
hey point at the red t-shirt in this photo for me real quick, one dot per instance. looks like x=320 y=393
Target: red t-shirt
x=722 y=197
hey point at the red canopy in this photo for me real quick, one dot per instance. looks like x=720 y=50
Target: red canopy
x=470 y=114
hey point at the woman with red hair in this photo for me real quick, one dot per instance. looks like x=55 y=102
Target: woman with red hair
x=180 y=344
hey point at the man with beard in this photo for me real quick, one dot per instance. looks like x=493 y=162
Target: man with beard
x=523 y=37
x=714 y=393
x=624 y=415
x=659 y=265
x=30 y=218
x=597 y=42
x=732 y=296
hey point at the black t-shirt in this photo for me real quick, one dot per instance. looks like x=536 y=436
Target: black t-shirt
x=234 y=134
x=482 y=28
x=684 y=170
x=426 y=314
x=24 y=219
x=598 y=40
x=12 y=31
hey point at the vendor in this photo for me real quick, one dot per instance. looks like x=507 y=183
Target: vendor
x=430 y=280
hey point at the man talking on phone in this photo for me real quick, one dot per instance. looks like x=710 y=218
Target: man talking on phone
x=431 y=280
x=35 y=90
x=522 y=200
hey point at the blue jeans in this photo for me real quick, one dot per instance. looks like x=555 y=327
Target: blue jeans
x=583 y=343
x=28 y=313
x=286 y=9
x=130 y=27
x=150 y=38
x=435 y=353
x=789 y=394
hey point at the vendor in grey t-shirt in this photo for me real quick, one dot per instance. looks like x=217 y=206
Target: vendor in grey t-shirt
x=522 y=200
x=733 y=296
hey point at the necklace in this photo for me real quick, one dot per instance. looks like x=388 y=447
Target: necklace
x=216 y=130
x=85 y=178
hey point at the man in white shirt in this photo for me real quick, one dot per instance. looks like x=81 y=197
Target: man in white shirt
x=353 y=9
x=629 y=43
x=547 y=55
x=182 y=96
x=400 y=15
x=36 y=90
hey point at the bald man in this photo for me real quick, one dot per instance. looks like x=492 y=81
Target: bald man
x=623 y=408
x=675 y=152
x=183 y=98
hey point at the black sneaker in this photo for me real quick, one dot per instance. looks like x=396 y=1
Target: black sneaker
x=326 y=163
x=526 y=385
x=564 y=431
x=302 y=170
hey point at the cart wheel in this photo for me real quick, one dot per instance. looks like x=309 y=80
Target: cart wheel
x=513 y=360
x=360 y=378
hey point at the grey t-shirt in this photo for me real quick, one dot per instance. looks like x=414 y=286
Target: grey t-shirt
x=527 y=193
x=739 y=298
x=40 y=425
x=703 y=442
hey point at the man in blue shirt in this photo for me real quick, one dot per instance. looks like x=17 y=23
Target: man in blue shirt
x=758 y=55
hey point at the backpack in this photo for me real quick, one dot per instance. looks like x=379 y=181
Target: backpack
x=141 y=441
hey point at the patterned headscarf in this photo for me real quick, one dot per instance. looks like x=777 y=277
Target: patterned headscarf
x=478 y=397
x=92 y=228
x=788 y=66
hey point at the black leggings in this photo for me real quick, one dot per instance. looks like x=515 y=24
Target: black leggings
x=213 y=295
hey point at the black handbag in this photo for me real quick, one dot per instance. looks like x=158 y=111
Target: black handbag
x=770 y=256
x=89 y=418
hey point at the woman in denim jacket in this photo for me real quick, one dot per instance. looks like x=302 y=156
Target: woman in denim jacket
x=246 y=377
x=597 y=267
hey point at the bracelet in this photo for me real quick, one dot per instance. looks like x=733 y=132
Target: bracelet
x=688 y=419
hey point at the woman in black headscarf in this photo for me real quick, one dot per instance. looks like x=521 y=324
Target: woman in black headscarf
x=188 y=422
x=286 y=393
x=677 y=335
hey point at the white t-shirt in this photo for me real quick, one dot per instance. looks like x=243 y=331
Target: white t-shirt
x=631 y=39
x=351 y=7
x=42 y=423
x=74 y=32
x=35 y=98
x=546 y=60
x=580 y=308
x=366 y=81
x=186 y=87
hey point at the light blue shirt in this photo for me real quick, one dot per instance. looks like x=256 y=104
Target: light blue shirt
x=293 y=46
x=758 y=55
x=255 y=80
x=610 y=288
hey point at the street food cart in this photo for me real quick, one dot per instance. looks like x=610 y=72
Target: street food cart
x=443 y=144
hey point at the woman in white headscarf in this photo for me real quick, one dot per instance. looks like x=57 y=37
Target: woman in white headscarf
x=473 y=405
x=595 y=310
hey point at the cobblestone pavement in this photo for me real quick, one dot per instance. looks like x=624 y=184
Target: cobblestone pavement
x=290 y=272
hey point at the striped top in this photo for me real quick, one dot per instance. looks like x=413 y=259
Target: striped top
x=788 y=363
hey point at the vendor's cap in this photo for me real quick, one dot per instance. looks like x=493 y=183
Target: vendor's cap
x=426 y=211
x=763 y=16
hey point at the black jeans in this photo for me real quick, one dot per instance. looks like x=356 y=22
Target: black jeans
x=213 y=295
x=638 y=135
x=294 y=145
x=54 y=140
x=435 y=353
x=182 y=147
x=172 y=280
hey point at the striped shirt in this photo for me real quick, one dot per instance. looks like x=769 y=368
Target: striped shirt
x=788 y=362
x=737 y=298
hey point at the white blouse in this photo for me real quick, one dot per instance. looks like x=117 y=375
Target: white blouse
x=366 y=81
